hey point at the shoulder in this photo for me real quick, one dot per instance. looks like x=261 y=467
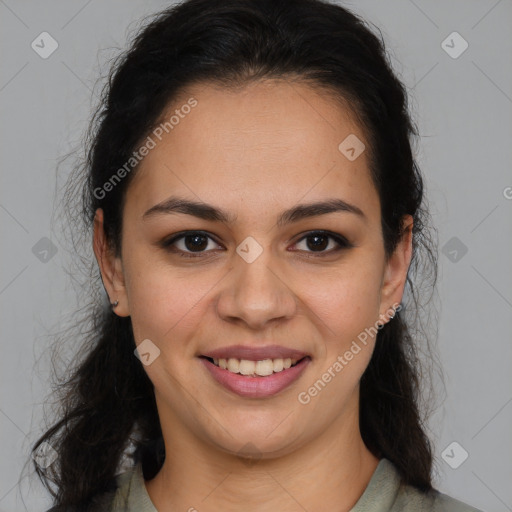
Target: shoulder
x=131 y=495
x=100 y=503
x=124 y=485
x=387 y=492
x=411 y=499
x=113 y=500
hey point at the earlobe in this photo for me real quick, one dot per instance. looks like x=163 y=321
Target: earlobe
x=110 y=267
x=397 y=266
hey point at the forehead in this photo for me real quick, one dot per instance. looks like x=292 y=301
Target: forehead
x=267 y=141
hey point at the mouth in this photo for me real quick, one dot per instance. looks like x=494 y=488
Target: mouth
x=249 y=368
x=257 y=377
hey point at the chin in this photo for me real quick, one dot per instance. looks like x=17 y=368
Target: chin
x=258 y=439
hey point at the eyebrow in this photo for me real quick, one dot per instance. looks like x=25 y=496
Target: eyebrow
x=209 y=212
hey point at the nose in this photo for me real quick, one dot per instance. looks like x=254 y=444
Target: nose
x=256 y=293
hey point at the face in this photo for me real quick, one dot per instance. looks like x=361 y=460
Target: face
x=249 y=280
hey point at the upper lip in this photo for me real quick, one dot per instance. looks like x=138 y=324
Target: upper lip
x=252 y=353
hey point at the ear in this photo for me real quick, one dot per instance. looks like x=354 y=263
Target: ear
x=110 y=267
x=395 y=273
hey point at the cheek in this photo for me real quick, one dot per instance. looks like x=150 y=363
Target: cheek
x=346 y=310
x=166 y=303
x=347 y=300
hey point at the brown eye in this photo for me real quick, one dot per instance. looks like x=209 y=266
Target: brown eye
x=192 y=244
x=319 y=241
x=188 y=243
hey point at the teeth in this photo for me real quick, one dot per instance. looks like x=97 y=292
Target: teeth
x=264 y=368
x=246 y=367
x=261 y=368
x=278 y=365
x=233 y=365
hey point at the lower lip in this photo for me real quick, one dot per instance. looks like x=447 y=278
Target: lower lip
x=256 y=387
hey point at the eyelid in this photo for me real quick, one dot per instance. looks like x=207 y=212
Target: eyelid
x=325 y=232
x=168 y=242
x=343 y=242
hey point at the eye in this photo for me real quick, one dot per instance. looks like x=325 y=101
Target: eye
x=319 y=241
x=193 y=244
x=189 y=242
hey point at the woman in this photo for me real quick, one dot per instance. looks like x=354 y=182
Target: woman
x=257 y=213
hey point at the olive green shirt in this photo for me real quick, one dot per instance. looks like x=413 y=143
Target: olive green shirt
x=384 y=493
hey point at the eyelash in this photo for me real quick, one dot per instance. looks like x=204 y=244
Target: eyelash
x=340 y=240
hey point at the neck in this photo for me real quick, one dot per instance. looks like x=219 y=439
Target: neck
x=329 y=473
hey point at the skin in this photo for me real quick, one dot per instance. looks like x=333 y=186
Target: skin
x=256 y=152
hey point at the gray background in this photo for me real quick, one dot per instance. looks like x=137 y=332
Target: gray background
x=463 y=107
